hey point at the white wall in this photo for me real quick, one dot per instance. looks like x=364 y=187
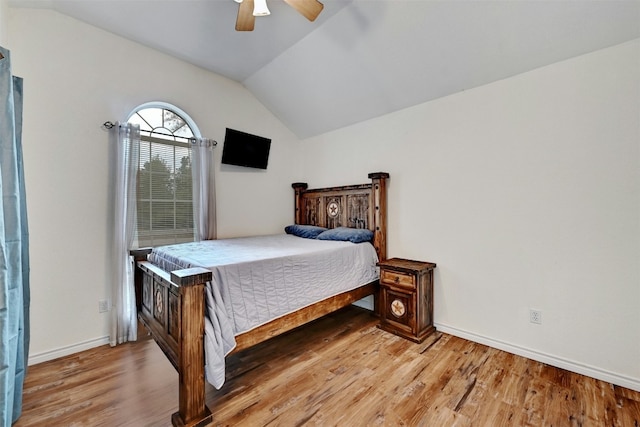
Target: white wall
x=526 y=193
x=76 y=77
x=4 y=11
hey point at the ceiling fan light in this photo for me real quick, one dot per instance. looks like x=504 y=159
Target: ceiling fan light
x=260 y=8
x=238 y=1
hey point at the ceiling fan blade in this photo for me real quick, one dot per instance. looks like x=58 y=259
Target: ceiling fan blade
x=310 y=9
x=245 y=21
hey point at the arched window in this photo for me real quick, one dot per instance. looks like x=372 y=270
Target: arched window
x=164 y=192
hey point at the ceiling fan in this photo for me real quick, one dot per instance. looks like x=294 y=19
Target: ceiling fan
x=249 y=9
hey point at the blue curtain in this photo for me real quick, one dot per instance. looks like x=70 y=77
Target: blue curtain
x=14 y=248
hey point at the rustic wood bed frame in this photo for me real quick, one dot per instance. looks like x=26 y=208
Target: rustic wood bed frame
x=171 y=304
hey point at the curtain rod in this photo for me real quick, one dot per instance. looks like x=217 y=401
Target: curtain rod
x=110 y=125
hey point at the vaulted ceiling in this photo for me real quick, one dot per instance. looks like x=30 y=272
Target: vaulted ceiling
x=363 y=58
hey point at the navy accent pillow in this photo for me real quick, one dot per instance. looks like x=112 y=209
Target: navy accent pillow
x=355 y=235
x=306 y=231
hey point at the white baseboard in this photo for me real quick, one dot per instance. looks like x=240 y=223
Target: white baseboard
x=45 y=356
x=366 y=302
x=558 y=362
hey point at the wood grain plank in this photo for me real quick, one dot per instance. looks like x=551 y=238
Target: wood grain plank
x=340 y=370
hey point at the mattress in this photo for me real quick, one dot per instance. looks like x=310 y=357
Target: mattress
x=258 y=279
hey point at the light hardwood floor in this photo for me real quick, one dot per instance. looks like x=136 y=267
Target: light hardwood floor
x=339 y=371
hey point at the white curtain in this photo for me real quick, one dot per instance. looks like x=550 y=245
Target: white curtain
x=204 y=196
x=126 y=145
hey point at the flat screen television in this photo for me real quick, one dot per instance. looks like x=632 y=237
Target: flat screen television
x=244 y=149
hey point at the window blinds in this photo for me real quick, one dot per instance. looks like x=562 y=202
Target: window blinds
x=164 y=193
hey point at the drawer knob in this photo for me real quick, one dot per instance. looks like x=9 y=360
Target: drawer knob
x=397 y=279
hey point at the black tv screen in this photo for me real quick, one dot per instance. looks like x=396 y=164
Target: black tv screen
x=244 y=149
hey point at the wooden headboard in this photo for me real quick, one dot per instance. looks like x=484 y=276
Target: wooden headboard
x=355 y=206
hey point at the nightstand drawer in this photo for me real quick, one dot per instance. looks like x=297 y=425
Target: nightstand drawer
x=397 y=278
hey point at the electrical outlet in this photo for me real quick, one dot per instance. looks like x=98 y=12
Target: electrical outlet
x=103 y=306
x=535 y=316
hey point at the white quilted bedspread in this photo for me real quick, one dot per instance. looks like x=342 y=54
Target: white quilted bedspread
x=258 y=279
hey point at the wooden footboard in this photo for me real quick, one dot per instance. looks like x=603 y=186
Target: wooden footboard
x=172 y=305
x=172 y=308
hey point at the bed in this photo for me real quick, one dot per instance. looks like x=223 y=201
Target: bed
x=186 y=302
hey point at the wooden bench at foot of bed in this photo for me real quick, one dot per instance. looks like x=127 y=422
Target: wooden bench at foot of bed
x=171 y=305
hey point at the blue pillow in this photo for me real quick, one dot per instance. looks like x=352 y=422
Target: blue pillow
x=355 y=235
x=306 y=231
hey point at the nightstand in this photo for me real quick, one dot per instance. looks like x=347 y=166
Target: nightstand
x=406 y=298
